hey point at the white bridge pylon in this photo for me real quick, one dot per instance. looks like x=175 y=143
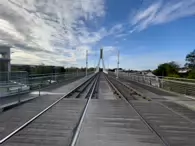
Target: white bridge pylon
x=103 y=65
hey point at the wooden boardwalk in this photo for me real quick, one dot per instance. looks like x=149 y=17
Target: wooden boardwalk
x=114 y=123
x=53 y=128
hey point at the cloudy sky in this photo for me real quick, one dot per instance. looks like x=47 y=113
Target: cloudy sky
x=58 y=32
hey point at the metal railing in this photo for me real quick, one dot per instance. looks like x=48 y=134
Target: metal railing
x=17 y=86
x=13 y=92
x=10 y=77
x=177 y=85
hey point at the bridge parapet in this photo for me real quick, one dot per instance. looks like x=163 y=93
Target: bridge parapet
x=21 y=82
x=177 y=85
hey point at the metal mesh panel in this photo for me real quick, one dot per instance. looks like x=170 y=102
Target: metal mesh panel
x=14 y=83
x=178 y=85
x=14 y=77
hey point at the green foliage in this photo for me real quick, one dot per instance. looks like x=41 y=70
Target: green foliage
x=167 y=69
x=43 y=69
x=191 y=74
x=38 y=69
x=190 y=59
x=174 y=75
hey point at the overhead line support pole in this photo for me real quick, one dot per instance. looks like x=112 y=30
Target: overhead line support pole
x=117 y=66
x=86 y=61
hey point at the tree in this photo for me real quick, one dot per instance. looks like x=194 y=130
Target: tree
x=190 y=59
x=167 y=69
x=191 y=74
x=62 y=70
x=27 y=68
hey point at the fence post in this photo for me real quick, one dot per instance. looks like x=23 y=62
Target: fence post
x=186 y=91
x=39 y=89
x=1 y=103
x=158 y=81
x=19 y=89
x=162 y=83
x=144 y=79
x=150 y=81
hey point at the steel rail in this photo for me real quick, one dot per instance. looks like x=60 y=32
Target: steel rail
x=148 y=98
x=79 y=126
x=40 y=113
x=137 y=112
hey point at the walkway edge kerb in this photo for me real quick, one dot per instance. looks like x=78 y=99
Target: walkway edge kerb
x=13 y=104
x=42 y=112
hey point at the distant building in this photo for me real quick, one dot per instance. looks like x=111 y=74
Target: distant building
x=148 y=73
x=184 y=70
x=119 y=70
x=5 y=59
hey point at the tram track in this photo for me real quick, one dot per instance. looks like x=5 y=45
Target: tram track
x=82 y=91
x=170 y=105
x=78 y=128
x=171 y=127
x=76 y=116
x=113 y=122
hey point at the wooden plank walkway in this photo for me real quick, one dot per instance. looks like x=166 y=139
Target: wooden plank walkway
x=53 y=128
x=105 y=91
x=175 y=129
x=114 y=123
x=17 y=116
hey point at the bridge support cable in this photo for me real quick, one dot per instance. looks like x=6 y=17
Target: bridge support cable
x=103 y=65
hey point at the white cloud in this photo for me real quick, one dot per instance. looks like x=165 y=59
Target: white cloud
x=163 y=12
x=121 y=35
x=116 y=29
x=109 y=49
x=50 y=32
x=93 y=37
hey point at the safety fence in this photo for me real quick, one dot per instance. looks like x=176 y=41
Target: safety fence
x=177 y=85
x=21 y=82
x=14 y=92
x=11 y=77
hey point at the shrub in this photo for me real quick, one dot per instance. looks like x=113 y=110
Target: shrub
x=191 y=74
x=174 y=75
